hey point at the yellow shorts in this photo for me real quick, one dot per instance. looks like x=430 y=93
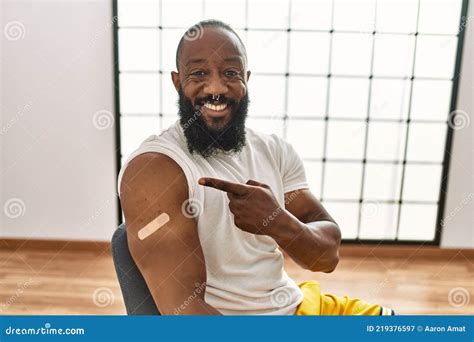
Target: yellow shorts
x=316 y=303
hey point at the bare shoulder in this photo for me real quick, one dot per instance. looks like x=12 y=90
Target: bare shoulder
x=152 y=168
x=152 y=184
x=152 y=180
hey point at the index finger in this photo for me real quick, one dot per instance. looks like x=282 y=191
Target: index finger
x=220 y=184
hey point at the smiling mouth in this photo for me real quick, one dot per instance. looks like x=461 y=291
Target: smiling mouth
x=215 y=108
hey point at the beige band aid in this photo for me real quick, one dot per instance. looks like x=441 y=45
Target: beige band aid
x=153 y=226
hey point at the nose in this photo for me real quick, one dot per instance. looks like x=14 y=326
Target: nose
x=215 y=86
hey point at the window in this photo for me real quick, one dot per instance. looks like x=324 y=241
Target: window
x=361 y=88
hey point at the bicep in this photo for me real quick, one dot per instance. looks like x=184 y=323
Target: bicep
x=169 y=255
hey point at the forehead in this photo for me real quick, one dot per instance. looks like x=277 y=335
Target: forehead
x=215 y=45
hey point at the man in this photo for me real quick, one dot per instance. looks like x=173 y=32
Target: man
x=209 y=203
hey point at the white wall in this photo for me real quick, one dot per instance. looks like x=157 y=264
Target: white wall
x=458 y=228
x=58 y=172
x=61 y=168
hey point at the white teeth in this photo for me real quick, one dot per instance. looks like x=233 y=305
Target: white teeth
x=217 y=108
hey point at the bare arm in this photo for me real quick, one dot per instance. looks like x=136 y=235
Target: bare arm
x=311 y=237
x=171 y=258
x=304 y=229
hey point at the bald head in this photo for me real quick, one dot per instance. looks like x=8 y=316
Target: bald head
x=223 y=35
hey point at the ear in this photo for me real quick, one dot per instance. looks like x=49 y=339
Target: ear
x=176 y=80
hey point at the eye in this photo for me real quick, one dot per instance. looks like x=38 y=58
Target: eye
x=198 y=73
x=231 y=73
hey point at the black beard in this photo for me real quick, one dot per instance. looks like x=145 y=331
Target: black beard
x=208 y=141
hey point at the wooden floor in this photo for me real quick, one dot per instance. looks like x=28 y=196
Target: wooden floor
x=72 y=281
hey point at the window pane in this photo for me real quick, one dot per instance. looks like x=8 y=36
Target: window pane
x=431 y=100
x=435 y=56
x=309 y=52
x=354 y=15
x=346 y=139
x=139 y=49
x=268 y=126
x=378 y=220
x=422 y=182
x=307 y=96
x=346 y=216
x=393 y=55
x=439 y=16
x=268 y=13
x=170 y=96
x=170 y=40
x=417 y=222
x=167 y=121
x=382 y=181
x=188 y=17
x=139 y=93
x=134 y=130
x=386 y=141
x=351 y=54
x=342 y=180
x=311 y=14
x=266 y=51
x=231 y=12
x=313 y=175
x=138 y=12
x=306 y=136
x=396 y=16
x=294 y=75
x=426 y=142
x=348 y=97
x=267 y=95
x=389 y=99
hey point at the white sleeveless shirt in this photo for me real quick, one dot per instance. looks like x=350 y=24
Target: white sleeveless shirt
x=245 y=274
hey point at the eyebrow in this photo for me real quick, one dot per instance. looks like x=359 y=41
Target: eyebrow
x=203 y=60
x=195 y=60
x=233 y=59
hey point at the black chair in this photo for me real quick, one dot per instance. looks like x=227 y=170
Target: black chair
x=136 y=295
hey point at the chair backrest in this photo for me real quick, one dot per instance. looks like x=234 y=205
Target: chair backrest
x=135 y=292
